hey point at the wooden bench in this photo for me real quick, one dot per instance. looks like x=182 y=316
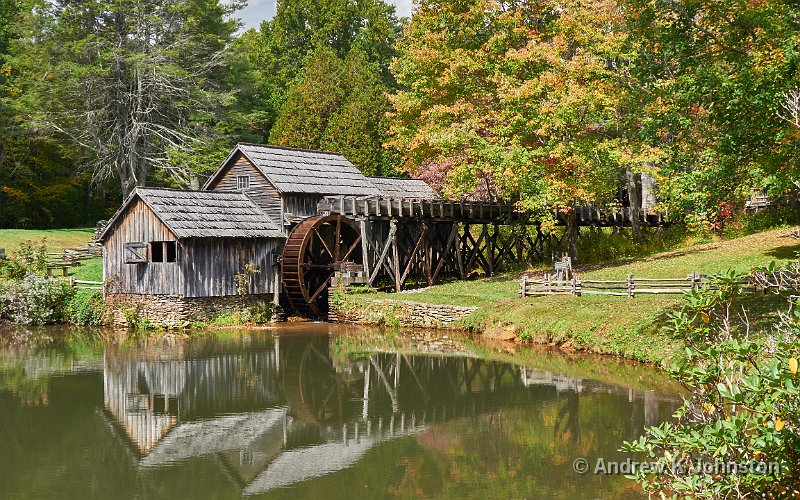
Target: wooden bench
x=64 y=266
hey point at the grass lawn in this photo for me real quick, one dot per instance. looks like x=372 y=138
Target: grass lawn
x=606 y=324
x=89 y=270
x=57 y=239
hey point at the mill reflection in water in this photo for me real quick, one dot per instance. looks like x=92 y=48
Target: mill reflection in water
x=280 y=411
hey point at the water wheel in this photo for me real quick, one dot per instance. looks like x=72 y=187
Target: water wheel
x=317 y=248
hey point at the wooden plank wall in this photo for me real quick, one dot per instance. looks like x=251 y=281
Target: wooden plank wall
x=140 y=224
x=261 y=190
x=211 y=264
x=301 y=204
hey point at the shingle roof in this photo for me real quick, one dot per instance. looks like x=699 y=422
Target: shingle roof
x=391 y=187
x=204 y=214
x=311 y=172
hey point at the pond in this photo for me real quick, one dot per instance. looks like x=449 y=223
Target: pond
x=315 y=411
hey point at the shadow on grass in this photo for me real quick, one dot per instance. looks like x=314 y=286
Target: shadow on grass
x=786 y=252
x=650 y=258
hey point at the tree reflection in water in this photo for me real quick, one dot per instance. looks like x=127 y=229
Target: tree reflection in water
x=299 y=414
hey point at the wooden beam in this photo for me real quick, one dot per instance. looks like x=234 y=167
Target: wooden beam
x=413 y=253
x=459 y=260
x=447 y=247
x=395 y=257
x=384 y=253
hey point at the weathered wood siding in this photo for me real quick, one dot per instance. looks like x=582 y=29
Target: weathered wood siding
x=210 y=265
x=140 y=224
x=301 y=204
x=261 y=190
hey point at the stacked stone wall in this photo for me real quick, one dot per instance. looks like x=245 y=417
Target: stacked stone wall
x=407 y=313
x=173 y=310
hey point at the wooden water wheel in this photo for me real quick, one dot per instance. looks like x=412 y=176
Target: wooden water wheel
x=317 y=248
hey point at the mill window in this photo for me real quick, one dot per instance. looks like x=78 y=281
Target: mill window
x=163 y=251
x=243 y=182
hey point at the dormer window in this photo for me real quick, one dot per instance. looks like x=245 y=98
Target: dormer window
x=242 y=182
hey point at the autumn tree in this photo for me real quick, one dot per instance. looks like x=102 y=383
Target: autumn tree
x=523 y=102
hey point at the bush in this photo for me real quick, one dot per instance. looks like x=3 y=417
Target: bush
x=743 y=407
x=256 y=313
x=29 y=258
x=603 y=245
x=746 y=224
x=86 y=308
x=35 y=300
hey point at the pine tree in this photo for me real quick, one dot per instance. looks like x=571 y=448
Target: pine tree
x=129 y=82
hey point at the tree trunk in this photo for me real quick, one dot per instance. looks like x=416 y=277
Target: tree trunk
x=572 y=235
x=635 y=199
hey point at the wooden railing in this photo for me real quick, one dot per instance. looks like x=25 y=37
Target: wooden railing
x=630 y=287
x=476 y=212
x=85 y=284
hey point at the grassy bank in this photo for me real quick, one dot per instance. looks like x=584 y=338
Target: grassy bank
x=605 y=324
x=57 y=239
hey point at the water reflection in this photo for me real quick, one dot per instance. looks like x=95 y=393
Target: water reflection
x=303 y=415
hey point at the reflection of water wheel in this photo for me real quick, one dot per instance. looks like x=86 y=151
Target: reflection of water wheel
x=315 y=250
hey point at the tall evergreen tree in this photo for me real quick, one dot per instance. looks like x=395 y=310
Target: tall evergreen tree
x=132 y=81
x=301 y=26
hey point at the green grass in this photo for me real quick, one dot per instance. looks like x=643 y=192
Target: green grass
x=606 y=324
x=89 y=270
x=57 y=239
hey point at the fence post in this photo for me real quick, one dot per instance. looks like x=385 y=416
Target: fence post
x=574 y=286
x=631 y=293
x=548 y=285
x=524 y=285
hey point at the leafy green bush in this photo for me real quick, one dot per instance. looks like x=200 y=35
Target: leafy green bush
x=743 y=407
x=35 y=300
x=135 y=321
x=260 y=312
x=29 y=258
x=603 y=245
x=86 y=308
x=746 y=224
x=256 y=313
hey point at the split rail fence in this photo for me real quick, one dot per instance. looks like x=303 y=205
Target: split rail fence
x=629 y=287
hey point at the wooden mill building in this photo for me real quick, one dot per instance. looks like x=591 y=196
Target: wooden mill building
x=298 y=219
x=188 y=247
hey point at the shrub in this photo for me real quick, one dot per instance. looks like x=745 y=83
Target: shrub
x=745 y=224
x=86 y=308
x=743 y=406
x=135 y=321
x=604 y=245
x=35 y=300
x=29 y=258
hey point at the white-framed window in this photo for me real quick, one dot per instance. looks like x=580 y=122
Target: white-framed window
x=242 y=182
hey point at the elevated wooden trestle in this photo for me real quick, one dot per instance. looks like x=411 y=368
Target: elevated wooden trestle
x=423 y=240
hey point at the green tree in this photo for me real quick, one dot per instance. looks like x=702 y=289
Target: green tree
x=712 y=77
x=130 y=82
x=338 y=105
x=300 y=27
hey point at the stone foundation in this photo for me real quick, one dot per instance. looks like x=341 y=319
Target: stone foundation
x=408 y=313
x=173 y=310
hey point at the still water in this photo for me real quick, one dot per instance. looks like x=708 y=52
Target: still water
x=313 y=411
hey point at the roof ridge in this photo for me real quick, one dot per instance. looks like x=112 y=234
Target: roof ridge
x=287 y=148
